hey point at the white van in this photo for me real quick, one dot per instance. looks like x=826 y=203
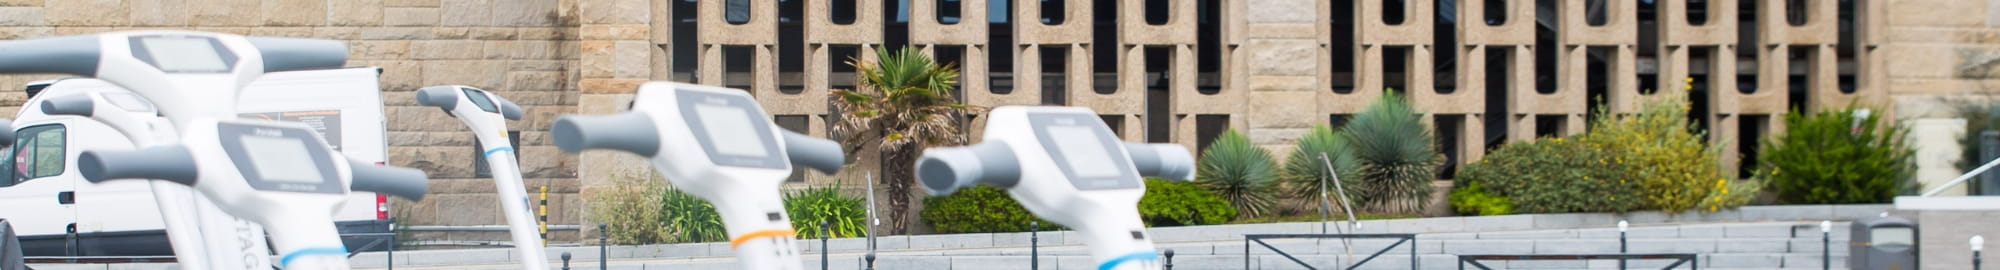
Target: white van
x=57 y=213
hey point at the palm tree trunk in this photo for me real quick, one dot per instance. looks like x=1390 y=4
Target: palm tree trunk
x=898 y=176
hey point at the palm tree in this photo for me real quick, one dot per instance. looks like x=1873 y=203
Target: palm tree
x=903 y=105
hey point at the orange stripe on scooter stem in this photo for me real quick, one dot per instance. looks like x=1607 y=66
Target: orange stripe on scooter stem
x=760 y=234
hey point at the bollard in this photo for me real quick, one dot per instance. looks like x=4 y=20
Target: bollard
x=1622 y=227
x=871 y=260
x=543 y=216
x=823 y=234
x=603 y=251
x=1170 y=260
x=1978 y=244
x=1034 y=245
x=565 y=258
x=391 y=259
x=1826 y=244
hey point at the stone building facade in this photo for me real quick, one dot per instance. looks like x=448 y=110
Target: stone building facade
x=1484 y=72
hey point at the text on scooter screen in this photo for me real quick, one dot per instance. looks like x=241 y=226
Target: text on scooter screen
x=176 y=54
x=1079 y=146
x=729 y=130
x=282 y=160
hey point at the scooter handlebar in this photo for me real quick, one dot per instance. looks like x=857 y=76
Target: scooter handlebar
x=1163 y=160
x=172 y=163
x=290 y=54
x=401 y=182
x=78 y=105
x=628 y=131
x=6 y=132
x=74 y=55
x=443 y=97
x=508 y=109
x=944 y=170
x=819 y=154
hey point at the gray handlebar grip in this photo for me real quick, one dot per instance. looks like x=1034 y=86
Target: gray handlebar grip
x=171 y=163
x=401 y=182
x=78 y=105
x=508 y=109
x=444 y=97
x=74 y=55
x=628 y=131
x=6 y=132
x=288 y=54
x=944 y=170
x=1163 y=160
x=819 y=154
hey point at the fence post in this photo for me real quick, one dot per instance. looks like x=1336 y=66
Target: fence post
x=1034 y=245
x=603 y=248
x=565 y=258
x=1622 y=228
x=1826 y=244
x=823 y=234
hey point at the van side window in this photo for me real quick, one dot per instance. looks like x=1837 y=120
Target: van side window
x=7 y=176
x=38 y=151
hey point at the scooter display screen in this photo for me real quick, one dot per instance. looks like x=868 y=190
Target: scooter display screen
x=1082 y=146
x=731 y=128
x=183 y=54
x=479 y=99
x=279 y=158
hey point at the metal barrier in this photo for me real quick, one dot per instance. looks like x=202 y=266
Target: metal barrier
x=1401 y=238
x=1691 y=260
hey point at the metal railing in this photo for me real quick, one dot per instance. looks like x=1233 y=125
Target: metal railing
x=1690 y=259
x=1962 y=178
x=1401 y=239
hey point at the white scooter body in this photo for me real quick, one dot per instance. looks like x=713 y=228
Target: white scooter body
x=717 y=144
x=487 y=114
x=1094 y=190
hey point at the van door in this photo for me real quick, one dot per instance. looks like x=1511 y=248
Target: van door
x=39 y=204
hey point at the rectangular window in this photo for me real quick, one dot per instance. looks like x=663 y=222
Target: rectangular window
x=39 y=151
x=738 y=65
x=795 y=123
x=1207 y=127
x=954 y=56
x=480 y=169
x=1117 y=124
x=1055 y=74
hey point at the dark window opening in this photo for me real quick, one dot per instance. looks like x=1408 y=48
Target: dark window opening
x=895 y=24
x=1159 y=116
x=800 y=124
x=1599 y=71
x=1396 y=68
x=1159 y=71
x=1547 y=126
x=1444 y=57
x=949 y=11
x=1055 y=74
x=1338 y=120
x=952 y=57
x=1598 y=12
x=1849 y=49
x=1498 y=72
x=1158 y=12
x=1342 y=49
x=686 y=52
x=1798 y=76
x=1698 y=105
x=1795 y=12
x=1208 y=47
x=1207 y=127
x=791 y=47
x=479 y=167
x=1750 y=135
x=1116 y=123
x=1394 y=12
x=736 y=11
x=1104 y=50
x=1545 y=51
x=844 y=12
x=840 y=73
x=1697 y=12
x=999 y=50
x=738 y=67
x=1054 y=12
x=1746 y=53
x=1448 y=137
x=1496 y=12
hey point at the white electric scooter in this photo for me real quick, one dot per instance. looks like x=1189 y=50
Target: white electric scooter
x=718 y=144
x=193 y=78
x=1065 y=165
x=487 y=114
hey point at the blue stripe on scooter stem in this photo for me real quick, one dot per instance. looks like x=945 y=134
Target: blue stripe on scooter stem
x=287 y=260
x=1129 y=257
x=490 y=152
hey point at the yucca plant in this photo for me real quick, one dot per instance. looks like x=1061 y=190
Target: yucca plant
x=902 y=106
x=1398 y=159
x=1305 y=175
x=845 y=216
x=690 y=219
x=1240 y=172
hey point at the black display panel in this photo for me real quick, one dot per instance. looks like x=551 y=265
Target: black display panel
x=282 y=159
x=732 y=129
x=478 y=98
x=1084 y=148
x=183 y=54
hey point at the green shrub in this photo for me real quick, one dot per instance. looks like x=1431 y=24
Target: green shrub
x=1675 y=167
x=690 y=218
x=978 y=209
x=1305 y=174
x=1555 y=175
x=1169 y=203
x=846 y=216
x=1834 y=156
x=1981 y=114
x=631 y=212
x=1474 y=200
x=1240 y=172
x=1397 y=156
